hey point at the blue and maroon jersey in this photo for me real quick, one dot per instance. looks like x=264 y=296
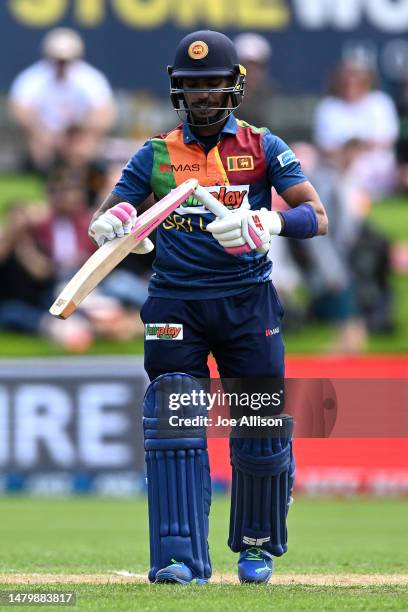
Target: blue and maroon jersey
x=239 y=171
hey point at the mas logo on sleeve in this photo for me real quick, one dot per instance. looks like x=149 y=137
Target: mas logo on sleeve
x=163 y=331
x=287 y=157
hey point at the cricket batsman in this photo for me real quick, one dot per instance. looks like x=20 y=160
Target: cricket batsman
x=211 y=290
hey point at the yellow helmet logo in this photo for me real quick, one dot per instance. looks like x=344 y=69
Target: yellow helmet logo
x=198 y=49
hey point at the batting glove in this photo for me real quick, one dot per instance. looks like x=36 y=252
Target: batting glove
x=115 y=223
x=246 y=230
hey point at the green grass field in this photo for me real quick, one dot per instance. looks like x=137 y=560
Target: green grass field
x=361 y=542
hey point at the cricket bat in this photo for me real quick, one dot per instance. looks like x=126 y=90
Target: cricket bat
x=212 y=204
x=110 y=254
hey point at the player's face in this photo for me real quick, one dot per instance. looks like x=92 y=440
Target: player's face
x=204 y=105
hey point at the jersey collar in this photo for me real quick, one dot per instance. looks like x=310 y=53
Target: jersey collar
x=229 y=127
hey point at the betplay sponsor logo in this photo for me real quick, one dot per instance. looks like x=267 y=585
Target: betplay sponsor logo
x=164 y=331
x=233 y=197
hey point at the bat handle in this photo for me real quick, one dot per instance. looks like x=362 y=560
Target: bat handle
x=213 y=205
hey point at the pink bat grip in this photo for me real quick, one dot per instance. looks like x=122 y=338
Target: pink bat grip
x=126 y=207
x=245 y=248
x=120 y=213
x=239 y=250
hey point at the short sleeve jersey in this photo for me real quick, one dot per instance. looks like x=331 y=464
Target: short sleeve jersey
x=239 y=171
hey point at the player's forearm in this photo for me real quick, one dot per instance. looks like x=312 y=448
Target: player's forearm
x=304 y=220
x=113 y=199
x=307 y=216
x=320 y=213
x=110 y=201
x=322 y=219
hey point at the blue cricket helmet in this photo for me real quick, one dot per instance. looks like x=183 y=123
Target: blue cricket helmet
x=206 y=54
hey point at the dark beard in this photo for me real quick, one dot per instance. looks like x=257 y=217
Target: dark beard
x=204 y=121
x=217 y=117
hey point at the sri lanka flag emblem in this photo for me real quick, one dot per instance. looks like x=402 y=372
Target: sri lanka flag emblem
x=240 y=162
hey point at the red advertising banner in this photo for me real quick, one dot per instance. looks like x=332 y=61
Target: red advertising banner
x=339 y=465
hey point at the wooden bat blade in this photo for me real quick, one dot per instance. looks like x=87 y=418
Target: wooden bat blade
x=109 y=255
x=94 y=270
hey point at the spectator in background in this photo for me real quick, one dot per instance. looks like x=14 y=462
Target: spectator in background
x=41 y=248
x=27 y=280
x=27 y=274
x=61 y=234
x=111 y=311
x=255 y=52
x=402 y=143
x=355 y=111
x=326 y=264
x=57 y=92
x=329 y=269
x=73 y=160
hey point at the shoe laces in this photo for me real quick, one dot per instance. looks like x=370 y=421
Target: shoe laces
x=254 y=554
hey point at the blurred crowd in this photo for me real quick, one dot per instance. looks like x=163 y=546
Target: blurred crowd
x=67 y=113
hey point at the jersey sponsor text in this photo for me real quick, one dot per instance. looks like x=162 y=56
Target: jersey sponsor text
x=164 y=331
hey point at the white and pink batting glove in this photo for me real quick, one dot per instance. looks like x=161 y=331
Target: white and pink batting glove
x=246 y=230
x=115 y=223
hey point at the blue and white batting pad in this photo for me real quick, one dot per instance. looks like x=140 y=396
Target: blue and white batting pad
x=262 y=480
x=178 y=479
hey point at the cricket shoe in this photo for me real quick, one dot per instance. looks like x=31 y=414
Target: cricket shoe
x=178 y=573
x=255 y=565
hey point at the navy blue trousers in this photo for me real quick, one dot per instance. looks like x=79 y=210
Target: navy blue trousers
x=242 y=332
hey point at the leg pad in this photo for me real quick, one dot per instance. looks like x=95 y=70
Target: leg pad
x=178 y=479
x=262 y=481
